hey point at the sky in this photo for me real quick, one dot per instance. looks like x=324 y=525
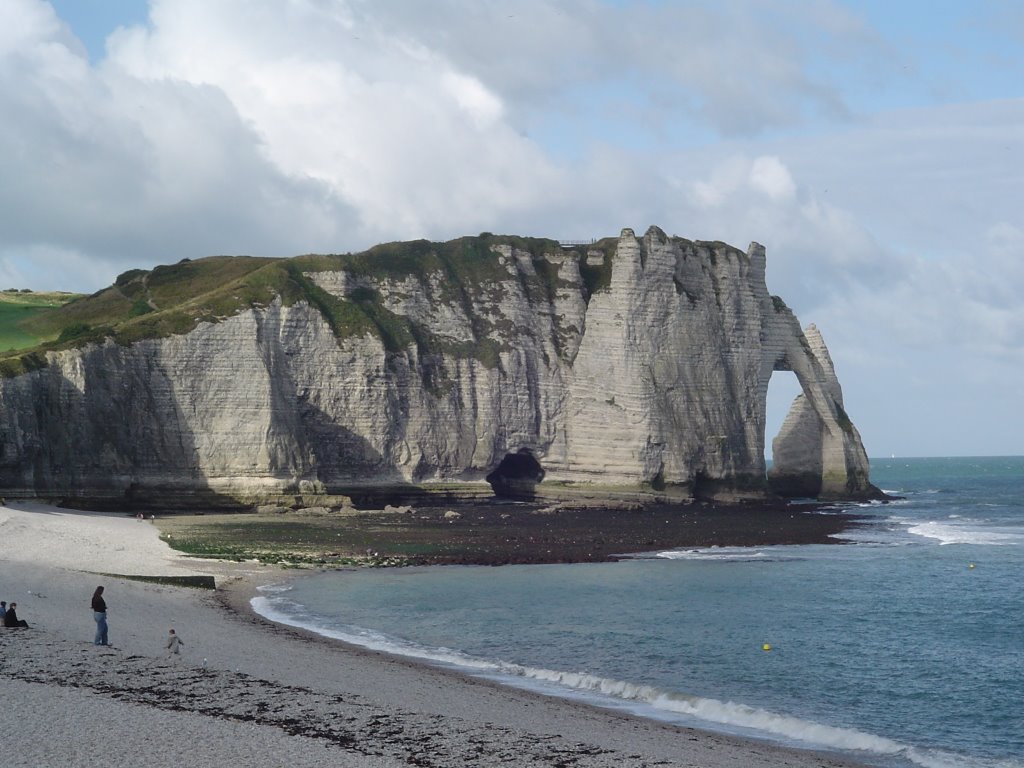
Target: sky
x=875 y=148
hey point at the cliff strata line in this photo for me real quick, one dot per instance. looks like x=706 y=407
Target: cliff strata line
x=635 y=365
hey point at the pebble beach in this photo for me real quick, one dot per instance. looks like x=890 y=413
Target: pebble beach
x=247 y=692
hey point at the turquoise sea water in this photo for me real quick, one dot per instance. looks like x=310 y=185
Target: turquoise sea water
x=905 y=647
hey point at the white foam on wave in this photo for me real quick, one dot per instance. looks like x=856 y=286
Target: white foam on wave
x=935 y=758
x=641 y=700
x=726 y=554
x=735 y=717
x=284 y=611
x=964 y=533
x=274 y=588
x=871 y=538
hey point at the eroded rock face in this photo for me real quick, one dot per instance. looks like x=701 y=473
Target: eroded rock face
x=652 y=377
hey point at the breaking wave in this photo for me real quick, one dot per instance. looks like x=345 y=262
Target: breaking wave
x=963 y=532
x=725 y=554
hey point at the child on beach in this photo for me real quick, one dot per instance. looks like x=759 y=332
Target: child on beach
x=173 y=644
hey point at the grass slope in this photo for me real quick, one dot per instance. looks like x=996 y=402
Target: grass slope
x=18 y=309
x=173 y=299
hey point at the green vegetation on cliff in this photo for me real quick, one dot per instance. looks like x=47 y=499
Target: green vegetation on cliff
x=467 y=273
x=173 y=299
x=18 y=308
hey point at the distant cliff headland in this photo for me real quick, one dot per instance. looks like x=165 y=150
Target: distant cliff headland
x=626 y=368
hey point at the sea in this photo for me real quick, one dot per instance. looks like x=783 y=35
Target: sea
x=903 y=646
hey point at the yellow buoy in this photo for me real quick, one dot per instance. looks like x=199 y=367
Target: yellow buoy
x=766 y=647
x=971 y=565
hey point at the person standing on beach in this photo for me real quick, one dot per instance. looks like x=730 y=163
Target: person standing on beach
x=99 y=613
x=174 y=643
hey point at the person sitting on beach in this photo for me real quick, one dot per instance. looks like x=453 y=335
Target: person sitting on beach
x=3 y=608
x=11 y=617
x=173 y=643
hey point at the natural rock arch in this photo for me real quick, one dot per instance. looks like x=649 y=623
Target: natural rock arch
x=818 y=452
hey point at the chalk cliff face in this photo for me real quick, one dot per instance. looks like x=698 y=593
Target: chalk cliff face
x=640 y=364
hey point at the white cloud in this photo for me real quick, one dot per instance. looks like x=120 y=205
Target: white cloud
x=390 y=127
x=469 y=93
x=770 y=176
x=49 y=267
x=815 y=249
x=233 y=126
x=23 y=23
x=741 y=67
x=98 y=162
x=765 y=176
x=272 y=128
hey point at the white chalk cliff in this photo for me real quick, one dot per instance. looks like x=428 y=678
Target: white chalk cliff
x=640 y=364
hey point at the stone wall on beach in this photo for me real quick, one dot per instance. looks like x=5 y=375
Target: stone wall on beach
x=638 y=364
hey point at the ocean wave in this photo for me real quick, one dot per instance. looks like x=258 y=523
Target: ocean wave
x=637 y=699
x=881 y=538
x=724 y=554
x=959 y=533
x=725 y=713
x=935 y=758
x=285 y=611
x=274 y=588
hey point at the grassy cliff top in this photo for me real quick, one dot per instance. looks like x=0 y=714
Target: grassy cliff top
x=173 y=299
x=18 y=308
x=28 y=297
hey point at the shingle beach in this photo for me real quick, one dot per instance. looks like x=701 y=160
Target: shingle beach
x=247 y=692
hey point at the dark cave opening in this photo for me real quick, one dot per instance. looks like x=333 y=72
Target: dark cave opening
x=517 y=476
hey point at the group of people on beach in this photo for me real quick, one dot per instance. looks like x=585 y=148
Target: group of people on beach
x=10 y=616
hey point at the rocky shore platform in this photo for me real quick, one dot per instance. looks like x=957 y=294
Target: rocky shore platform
x=501 y=532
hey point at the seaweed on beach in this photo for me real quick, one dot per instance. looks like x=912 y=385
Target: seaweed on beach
x=354 y=724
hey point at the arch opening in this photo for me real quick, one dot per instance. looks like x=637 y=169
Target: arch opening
x=783 y=389
x=795 y=468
